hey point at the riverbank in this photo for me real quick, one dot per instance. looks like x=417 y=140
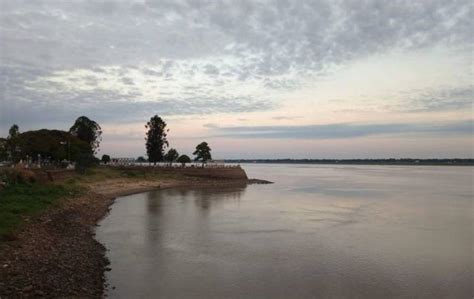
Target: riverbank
x=54 y=253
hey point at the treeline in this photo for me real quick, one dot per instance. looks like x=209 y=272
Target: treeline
x=157 y=143
x=78 y=145
x=404 y=161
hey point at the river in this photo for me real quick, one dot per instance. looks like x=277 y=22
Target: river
x=319 y=232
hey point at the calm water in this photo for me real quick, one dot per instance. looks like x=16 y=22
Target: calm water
x=319 y=231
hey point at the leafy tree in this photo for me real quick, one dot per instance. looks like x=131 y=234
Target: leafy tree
x=105 y=159
x=12 y=142
x=85 y=161
x=202 y=153
x=3 y=149
x=14 y=131
x=88 y=131
x=156 y=141
x=141 y=159
x=171 y=155
x=183 y=159
x=53 y=145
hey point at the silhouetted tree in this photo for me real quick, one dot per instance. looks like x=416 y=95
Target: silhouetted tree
x=88 y=131
x=171 y=155
x=14 y=131
x=85 y=161
x=3 y=149
x=156 y=141
x=202 y=153
x=105 y=159
x=12 y=143
x=183 y=159
x=53 y=145
x=141 y=159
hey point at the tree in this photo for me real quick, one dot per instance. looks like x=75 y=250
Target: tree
x=53 y=145
x=171 y=155
x=105 y=159
x=3 y=149
x=85 y=161
x=202 y=153
x=183 y=159
x=88 y=131
x=12 y=142
x=156 y=141
x=141 y=159
x=14 y=131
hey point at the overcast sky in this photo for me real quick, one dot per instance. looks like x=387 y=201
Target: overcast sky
x=301 y=79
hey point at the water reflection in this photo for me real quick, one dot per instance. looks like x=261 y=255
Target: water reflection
x=328 y=232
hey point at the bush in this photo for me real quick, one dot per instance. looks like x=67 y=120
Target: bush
x=17 y=176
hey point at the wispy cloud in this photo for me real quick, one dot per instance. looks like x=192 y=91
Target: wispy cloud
x=344 y=130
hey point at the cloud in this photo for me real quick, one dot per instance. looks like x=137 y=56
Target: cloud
x=344 y=130
x=453 y=98
x=130 y=56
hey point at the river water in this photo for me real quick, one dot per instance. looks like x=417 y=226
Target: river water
x=318 y=232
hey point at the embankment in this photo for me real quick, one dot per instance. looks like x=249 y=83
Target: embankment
x=55 y=254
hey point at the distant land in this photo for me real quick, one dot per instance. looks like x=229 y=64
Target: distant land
x=405 y=161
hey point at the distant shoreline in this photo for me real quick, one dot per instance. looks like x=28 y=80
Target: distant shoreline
x=400 y=162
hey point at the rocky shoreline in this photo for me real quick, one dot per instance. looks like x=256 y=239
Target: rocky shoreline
x=56 y=255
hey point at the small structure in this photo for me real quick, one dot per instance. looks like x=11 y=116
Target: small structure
x=215 y=163
x=122 y=161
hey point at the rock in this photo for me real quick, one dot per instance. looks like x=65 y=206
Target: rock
x=27 y=289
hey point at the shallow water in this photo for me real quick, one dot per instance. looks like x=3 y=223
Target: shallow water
x=319 y=231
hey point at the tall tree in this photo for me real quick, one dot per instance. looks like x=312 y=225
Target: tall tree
x=14 y=131
x=156 y=141
x=87 y=130
x=12 y=143
x=3 y=149
x=202 y=153
x=171 y=155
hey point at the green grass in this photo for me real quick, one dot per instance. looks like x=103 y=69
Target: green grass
x=21 y=200
x=102 y=173
x=26 y=199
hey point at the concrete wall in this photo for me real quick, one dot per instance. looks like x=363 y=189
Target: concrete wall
x=234 y=173
x=224 y=173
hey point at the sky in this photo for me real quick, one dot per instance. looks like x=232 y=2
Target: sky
x=255 y=79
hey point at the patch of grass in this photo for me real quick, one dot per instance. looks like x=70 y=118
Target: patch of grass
x=103 y=173
x=20 y=200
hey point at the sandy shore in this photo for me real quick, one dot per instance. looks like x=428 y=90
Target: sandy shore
x=55 y=254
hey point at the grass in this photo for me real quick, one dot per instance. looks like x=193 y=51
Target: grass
x=26 y=199
x=20 y=200
x=102 y=173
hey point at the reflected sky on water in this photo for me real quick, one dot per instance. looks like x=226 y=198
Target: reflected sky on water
x=319 y=231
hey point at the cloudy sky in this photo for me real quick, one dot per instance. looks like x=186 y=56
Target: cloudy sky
x=302 y=79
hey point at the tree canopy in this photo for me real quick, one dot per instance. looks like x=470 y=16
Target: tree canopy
x=202 y=152
x=11 y=145
x=87 y=130
x=183 y=159
x=14 y=131
x=3 y=149
x=156 y=140
x=171 y=155
x=105 y=159
x=141 y=159
x=51 y=144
